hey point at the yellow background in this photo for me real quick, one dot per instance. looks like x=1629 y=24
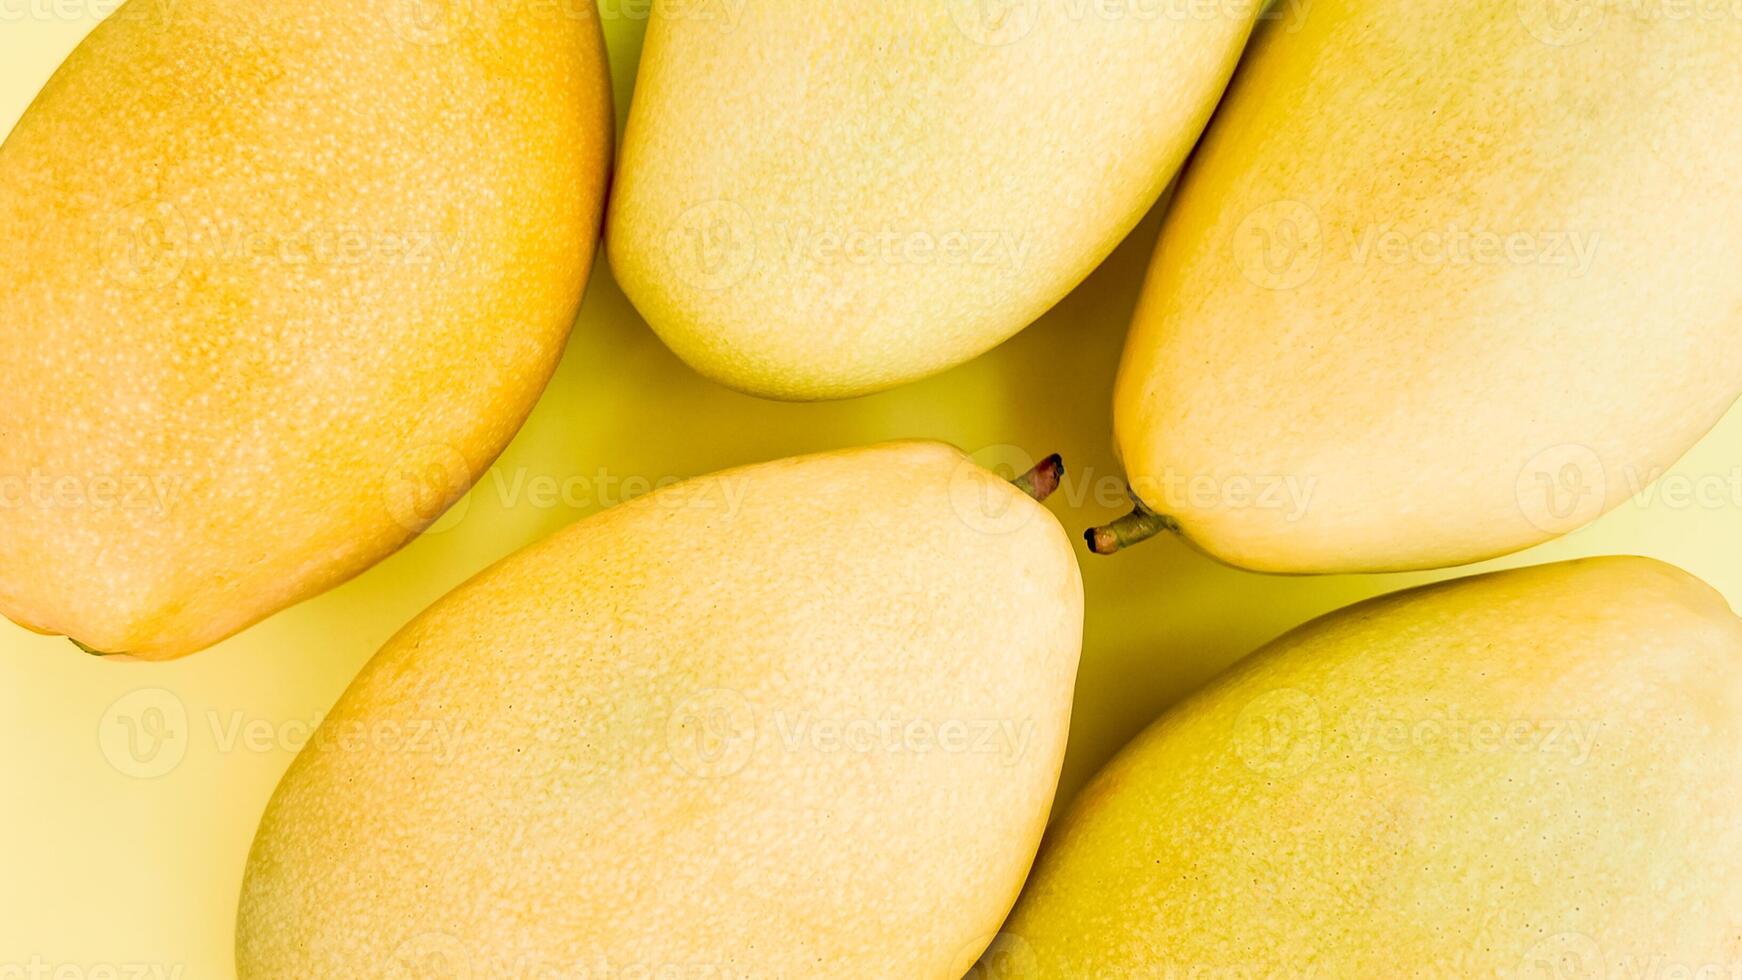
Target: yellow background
x=113 y=855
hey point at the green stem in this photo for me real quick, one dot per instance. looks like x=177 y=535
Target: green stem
x=1134 y=528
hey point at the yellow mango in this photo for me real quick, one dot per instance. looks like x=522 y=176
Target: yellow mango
x=1532 y=774
x=797 y=719
x=1458 y=274
x=279 y=280
x=820 y=200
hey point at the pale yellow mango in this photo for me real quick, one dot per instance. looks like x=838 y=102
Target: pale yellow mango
x=819 y=200
x=1459 y=274
x=279 y=279
x=802 y=719
x=1529 y=774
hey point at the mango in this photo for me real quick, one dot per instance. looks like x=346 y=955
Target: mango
x=1532 y=773
x=825 y=200
x=1457 y=273
x=802 y=718
x=279 y=281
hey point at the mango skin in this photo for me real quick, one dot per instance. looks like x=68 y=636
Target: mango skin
x=280 y=279
x=1319 y=811
x=623 y=767
x=825 y=200
x=1460 y=273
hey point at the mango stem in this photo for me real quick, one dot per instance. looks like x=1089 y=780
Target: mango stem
x=1041 y=481
x=1134 y=528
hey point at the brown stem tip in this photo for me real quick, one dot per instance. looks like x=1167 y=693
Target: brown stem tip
x=1134 y=528
x=1041 y=481
x=92 y=651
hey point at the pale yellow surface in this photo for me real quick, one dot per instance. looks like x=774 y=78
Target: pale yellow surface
x=778 y=721
x=819 y=200
x=1466 y=268
x=1529 y=774
x=278 y=280
x=133 y=854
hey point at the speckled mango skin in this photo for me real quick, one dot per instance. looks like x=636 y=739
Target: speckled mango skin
x=279 y=280
x=820 y=200
x=1312 y=315
x=635 y=783
x=1318 y=813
